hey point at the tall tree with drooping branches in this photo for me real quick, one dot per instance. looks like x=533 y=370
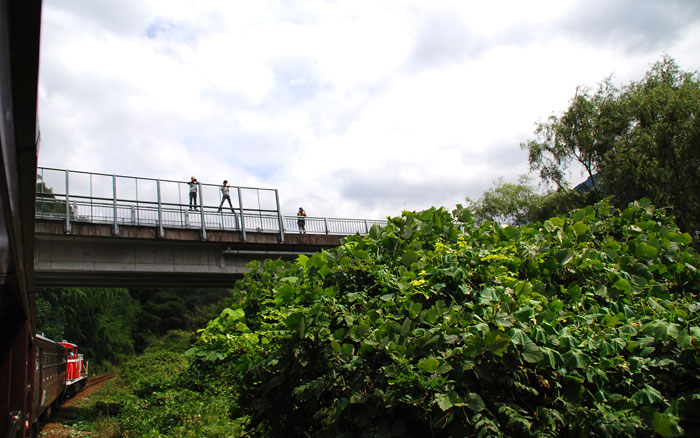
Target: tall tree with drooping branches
x=641 y=140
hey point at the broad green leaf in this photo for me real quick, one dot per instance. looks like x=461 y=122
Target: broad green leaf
x=387 y=297
x=574 y=291
x=580 y=227
x=647 y=396
x=646 y=251
x=409 y=257
x=233 y=315
x=525 y=314
x=347 y=350
x=496 y=342
x=623 y=285
x=317 y=260
x=684 y=339
x=552 y=357
x=575 y=358
x=563 y=256
x=683 y=238
x=532 y=353
x=284 y=294
x=429 y=315
x=474 y=402
x=415 y=309
x=443 y=400
x=294 y=320
x=303 y=260
x=429 y=364
x=518 y=337
x=602 y=291
x=510 y=232
x=665 y=425
x=573 y=388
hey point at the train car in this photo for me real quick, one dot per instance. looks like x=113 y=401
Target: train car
x=49 y=375
x=76 y=369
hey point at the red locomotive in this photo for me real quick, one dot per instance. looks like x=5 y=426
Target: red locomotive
x=76 y=369
x=60 y=372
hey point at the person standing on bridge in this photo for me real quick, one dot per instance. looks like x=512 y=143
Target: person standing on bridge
x=194 y=187
x=225 y=196
x=301 y=221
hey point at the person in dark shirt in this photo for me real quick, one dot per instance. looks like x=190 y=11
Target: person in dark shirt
x=301 y=221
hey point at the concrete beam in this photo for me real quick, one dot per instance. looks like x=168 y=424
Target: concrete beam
x=91 y=256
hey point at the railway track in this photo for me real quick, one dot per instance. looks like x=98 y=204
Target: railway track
x=99 y=379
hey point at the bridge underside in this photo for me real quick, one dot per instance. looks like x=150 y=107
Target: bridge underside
x=69 y=279
x=91 y=256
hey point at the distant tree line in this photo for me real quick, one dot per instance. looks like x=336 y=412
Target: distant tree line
x=111 y=325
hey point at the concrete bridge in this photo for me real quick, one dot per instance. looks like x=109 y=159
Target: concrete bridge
x=98 y=230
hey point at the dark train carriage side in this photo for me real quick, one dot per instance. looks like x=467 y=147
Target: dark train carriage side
x=20 y=22
x=49 y=374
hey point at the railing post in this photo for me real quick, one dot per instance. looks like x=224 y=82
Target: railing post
x=325 y=220
x=279 y=216
x=201 y=212
x=240 y=208
x=366 y=227
x=68 y=230
x=136 y=192
x=114 y=204
x=161 y=231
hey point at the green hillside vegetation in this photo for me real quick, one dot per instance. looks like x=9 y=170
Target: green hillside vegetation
x=158 y=394
x=583 y=325
x=112 y=325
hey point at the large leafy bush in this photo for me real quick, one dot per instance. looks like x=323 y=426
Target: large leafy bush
x=158 y=394
x=433 y=326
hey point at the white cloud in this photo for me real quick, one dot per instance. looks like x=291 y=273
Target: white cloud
x=350 y=108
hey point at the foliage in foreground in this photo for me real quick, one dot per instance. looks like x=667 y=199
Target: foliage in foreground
x=158 y=395
x=434 y=326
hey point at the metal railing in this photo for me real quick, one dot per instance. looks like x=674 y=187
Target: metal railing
x=75 y=196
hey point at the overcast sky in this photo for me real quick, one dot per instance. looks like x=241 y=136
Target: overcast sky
x=350 y=108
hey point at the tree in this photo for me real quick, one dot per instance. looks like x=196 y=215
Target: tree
x=505 y=202
x=583 y=134
x=641 y=140
x=660 y=155
x=514 y=204
x=100 y=321
x=46 y=202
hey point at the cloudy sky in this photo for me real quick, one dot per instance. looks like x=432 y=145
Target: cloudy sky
x=351 y=108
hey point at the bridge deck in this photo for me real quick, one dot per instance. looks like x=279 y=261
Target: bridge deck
x=92 y=256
